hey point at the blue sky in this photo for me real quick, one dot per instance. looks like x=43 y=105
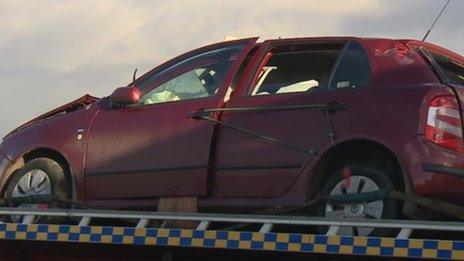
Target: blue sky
x=54 y=51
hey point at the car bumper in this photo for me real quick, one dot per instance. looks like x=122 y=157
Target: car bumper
x=434 y=171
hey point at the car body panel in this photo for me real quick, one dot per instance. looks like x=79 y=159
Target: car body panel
x=418 y=152
x=133 y=156
x=158 y=147
x=155 y=156
x=68 y=107
x=59 y=134
x=242 y=158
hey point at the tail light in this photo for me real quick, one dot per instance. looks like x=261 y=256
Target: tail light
x=444 y=125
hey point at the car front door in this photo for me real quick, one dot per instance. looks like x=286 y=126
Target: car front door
x=154 y=149
x=291 y=107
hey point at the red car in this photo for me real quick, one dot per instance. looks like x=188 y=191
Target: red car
x=252 y=125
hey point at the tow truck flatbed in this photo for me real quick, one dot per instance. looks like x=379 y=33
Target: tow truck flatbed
x=283 y=234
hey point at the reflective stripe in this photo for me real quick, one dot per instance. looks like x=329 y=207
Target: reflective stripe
x=232 y=240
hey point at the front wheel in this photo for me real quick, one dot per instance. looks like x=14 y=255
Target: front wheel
x=359 y=178
x=41 y=176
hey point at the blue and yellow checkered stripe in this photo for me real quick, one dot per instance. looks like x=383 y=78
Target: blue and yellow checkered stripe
x=390 y=247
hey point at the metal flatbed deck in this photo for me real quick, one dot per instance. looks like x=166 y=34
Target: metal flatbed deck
x=142 y=234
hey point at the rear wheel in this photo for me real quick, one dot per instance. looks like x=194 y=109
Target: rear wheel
x=41 y=176
x=359 y=178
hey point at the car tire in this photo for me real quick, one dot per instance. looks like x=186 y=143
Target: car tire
x=371 y=178
x=41 y=176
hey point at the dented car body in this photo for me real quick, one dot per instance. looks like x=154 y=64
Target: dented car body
x=271 y=135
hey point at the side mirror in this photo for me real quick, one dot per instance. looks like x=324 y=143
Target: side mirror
x=123 y=96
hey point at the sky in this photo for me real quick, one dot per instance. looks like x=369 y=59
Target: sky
x=53 y=51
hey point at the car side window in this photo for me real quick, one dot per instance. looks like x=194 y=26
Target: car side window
x=297 y=68
x=196 y=77
x=190 y=85
x=353 y=69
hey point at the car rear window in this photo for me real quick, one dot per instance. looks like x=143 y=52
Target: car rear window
x=451 y=70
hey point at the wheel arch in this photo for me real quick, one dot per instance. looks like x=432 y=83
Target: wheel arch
x=42 y=152
x=357 y=150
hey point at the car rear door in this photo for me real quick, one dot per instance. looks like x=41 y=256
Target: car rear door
x=295 y=106
x=154 y=149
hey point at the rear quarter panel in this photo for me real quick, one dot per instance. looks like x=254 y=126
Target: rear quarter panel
x=401 y=88
x=391 y=110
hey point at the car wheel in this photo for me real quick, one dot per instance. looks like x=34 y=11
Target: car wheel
x=41 y=176
x=359 y=178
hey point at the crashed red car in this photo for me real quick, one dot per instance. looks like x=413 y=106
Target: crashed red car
x=249 y=125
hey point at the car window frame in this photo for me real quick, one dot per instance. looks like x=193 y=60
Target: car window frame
x=427 y=53
x=185 y=69
x=247 y=44
x=263 y=59
x=169 y=77
x=345 y=48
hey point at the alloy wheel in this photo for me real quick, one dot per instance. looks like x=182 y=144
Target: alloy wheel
x=365 y=210
x=34 y=182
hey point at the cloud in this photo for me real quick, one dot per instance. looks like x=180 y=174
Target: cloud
x=55 y=50
x=411 y=19
x=64 y=36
